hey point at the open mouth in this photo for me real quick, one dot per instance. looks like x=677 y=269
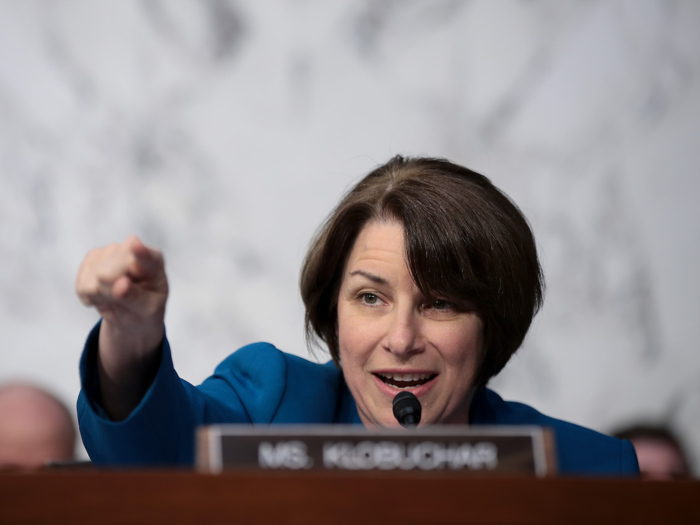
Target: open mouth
x=405 y=381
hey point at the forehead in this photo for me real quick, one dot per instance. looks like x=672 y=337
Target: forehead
x=378 y=241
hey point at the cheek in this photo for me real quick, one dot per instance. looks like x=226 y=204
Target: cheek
x=351 y=357
x=352 y=336
x=346 y=338
x=358 y=339
x=463 y=346
x=352 y=319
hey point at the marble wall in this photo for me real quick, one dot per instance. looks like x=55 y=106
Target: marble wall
x=223 y=132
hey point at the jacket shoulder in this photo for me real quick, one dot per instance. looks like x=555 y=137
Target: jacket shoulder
x=276 y=387
x=580 y=450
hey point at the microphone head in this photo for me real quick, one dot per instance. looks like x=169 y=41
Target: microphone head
x=407 y=409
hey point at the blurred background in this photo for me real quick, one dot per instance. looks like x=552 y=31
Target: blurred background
x=223 y=132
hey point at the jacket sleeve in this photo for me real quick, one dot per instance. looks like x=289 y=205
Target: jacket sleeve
x=161 y=429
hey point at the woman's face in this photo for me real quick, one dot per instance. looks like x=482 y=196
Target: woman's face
x=393 y=338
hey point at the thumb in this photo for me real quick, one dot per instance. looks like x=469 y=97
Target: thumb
x=134 y=298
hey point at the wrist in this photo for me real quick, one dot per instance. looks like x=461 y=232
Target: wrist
x=127 y=364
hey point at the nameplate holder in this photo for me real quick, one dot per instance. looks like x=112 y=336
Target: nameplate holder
x=462 y=450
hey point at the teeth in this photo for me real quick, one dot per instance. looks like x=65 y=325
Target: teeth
x=406 y=377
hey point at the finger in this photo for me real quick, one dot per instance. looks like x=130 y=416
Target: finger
x=121 y=288
x=131 y=259
x=96 y=299
x=134 y=298
x=86 y=282
x=146 y=262
x=109 y=272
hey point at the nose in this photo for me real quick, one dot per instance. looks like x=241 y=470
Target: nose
x=403 y=333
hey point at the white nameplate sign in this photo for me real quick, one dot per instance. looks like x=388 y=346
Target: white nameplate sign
x=453 y=449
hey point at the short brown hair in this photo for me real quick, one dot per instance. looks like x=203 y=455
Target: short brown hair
x=465 y=241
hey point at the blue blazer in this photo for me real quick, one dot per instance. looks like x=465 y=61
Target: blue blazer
x=262 y=385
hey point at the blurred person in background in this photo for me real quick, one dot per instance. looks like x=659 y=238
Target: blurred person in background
x=35 y=428
x=659 y=451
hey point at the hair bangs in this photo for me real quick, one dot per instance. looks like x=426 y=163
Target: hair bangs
x=440 y=251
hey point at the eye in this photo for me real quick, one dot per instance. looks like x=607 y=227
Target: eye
x=440 y=304
x=369 y=298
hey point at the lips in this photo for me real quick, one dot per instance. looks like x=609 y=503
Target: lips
x=391 y=382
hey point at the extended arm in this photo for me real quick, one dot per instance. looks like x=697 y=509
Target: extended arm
x=127 y=284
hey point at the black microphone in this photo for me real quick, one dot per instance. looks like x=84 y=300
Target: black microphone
x=407 y=409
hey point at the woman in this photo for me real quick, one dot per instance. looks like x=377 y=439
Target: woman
x=425 y=277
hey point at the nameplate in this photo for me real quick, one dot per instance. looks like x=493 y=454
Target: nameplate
x=437 y=449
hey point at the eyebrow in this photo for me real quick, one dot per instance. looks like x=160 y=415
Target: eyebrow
x=370 y=276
